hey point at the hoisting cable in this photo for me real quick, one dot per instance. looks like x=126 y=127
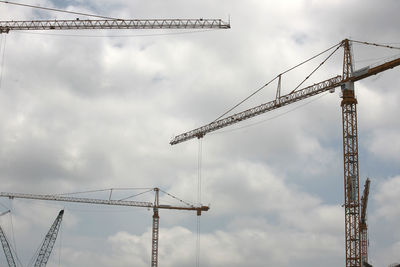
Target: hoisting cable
x=2 y=51
x=199 y=168
x=198 y=242
x=56 y=10
x=375 y=44
x=286 y=71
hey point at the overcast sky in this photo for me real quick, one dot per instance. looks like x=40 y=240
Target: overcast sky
x=85 y=110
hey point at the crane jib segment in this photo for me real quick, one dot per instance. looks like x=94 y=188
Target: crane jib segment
x=102 y=201
x=274 y=104
x=49 y=241
x=6 y=26
x=78 y=200
x=7 y=249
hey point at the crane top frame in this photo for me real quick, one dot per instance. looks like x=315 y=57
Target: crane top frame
x=109 y=24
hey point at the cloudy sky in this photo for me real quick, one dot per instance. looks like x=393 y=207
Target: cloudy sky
x=85 y=110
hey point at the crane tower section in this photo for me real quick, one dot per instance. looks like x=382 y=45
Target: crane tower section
x=363 y=224
x=7 y=249
x=350 y=158
x=48 y=243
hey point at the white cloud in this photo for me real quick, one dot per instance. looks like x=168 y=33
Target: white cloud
x=83 y=113
x=387 y=198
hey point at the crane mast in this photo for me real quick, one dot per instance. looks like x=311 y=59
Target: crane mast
x=363 y=223
x=6 y=246
x=350 y=136
x=155 y=231
x=155 y=206
x=48 y=243
x=350 y=159
x=111 y=24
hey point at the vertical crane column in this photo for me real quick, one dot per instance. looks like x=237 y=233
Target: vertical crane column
x=155 y=232
x=7 y=249
x=49 y=241
x=363 y=224
x=351 y=171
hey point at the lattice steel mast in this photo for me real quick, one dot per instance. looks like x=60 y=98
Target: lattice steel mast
x=363 y=224
x=48 y=242
x=111 y=24
x=6 y=246
x=350 y=159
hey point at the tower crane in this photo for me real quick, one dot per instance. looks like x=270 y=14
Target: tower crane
x=48 y=242
x=6 y=245
x=350 y=135
x=156 y=206
x=363 y=224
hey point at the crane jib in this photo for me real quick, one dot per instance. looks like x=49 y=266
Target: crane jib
x=274 y=104
x=283 y=101
x=6 y=26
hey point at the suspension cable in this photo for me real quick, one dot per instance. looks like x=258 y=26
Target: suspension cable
x=125 y=198
x=198 y=242
x=103 y=190
x=286 y=71
x=199 y=169
x=176 y=198
x=334 y=51
x=56 y=10
x=375 y=44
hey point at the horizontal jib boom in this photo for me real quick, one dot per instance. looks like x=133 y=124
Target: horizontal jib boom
x=6 y=26
x=78 y=200
x=244 y=115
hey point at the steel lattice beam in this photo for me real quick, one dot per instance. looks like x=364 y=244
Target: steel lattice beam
x=247 y=114
x=7 y=249
x=78 y=24
x=48 y=243
x=154 y=240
